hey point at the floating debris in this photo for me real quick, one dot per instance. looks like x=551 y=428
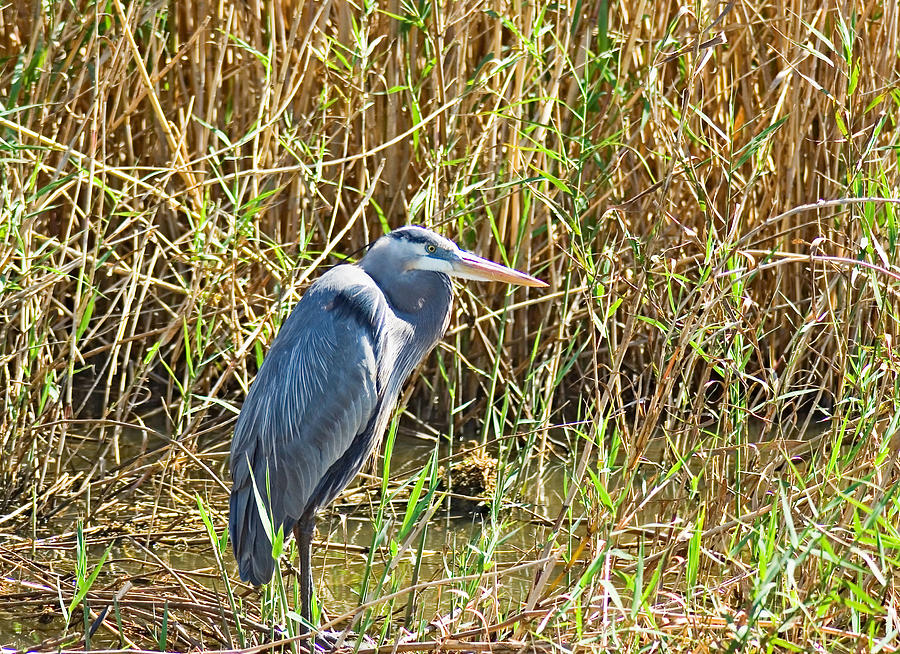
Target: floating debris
x=472 y=480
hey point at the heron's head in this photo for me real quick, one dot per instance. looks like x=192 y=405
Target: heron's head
x=416 y=248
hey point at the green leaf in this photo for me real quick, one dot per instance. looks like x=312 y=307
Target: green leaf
x=757 y=141
x=85 y=317
x=84 y=585
x=693 y=562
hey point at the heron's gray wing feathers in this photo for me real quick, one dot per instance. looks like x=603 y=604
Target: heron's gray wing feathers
x=317 y=390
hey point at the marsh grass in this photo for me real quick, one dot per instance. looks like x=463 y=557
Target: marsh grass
x=710 y=190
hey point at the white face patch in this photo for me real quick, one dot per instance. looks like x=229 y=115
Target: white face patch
x=428 y=262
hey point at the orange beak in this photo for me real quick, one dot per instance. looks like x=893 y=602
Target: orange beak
x=470 y=266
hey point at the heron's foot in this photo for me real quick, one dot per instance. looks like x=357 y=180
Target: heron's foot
x=328 y=641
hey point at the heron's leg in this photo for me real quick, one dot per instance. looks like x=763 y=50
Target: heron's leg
x=303 y=532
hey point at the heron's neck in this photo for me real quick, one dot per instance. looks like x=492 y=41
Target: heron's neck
x=422 y=297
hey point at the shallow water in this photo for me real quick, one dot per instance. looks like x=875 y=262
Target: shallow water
x=160 y=545
x=345 y=536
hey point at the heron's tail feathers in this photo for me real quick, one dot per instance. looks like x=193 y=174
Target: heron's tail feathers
x=251 y=544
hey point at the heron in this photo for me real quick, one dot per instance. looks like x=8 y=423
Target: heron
x=329 y=383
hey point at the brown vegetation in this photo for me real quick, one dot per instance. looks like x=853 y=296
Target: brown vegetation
x=690 y=179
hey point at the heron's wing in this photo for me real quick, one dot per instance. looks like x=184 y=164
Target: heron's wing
x=316 y=392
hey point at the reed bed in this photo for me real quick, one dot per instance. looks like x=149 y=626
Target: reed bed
x=710 y=189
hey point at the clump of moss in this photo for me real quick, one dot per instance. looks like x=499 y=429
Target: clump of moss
x=471 y=479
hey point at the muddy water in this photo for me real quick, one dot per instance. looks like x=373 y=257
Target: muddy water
x=341 y=560
x=452 y=537
x=156 y=528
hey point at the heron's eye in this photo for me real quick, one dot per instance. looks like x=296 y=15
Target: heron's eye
x=430 y=248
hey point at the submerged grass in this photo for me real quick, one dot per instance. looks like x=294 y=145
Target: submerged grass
x=695 y=427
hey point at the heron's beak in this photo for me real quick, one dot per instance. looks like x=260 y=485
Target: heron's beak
x=471 y=266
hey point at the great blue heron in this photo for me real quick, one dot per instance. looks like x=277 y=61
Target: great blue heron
x=328 y=386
